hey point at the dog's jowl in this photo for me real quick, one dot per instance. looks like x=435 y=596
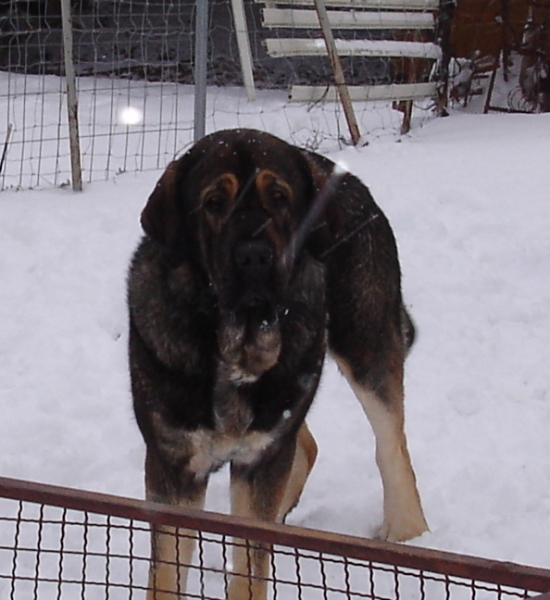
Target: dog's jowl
x=246 y=270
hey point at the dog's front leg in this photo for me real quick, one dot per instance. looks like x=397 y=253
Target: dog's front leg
x=257 y=493
x=171 y=547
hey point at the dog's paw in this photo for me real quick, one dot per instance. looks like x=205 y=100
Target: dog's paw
x=402 y=531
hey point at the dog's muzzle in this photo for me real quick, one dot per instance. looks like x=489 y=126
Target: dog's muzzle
x=254 y=263
x=254 y=259
x=249 y=337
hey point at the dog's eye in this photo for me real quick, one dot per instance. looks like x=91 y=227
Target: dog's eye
x=279 y=198
x=214 y=203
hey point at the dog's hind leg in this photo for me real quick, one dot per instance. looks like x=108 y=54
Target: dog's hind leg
x=304 y=459
x=171 y=547
x=403 y=515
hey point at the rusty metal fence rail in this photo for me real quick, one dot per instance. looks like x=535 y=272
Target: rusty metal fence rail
x=57 y=543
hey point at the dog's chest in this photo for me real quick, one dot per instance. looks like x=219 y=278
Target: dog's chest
x=211 y=449
x=231 y=440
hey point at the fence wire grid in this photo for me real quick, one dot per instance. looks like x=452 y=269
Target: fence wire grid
x=134 y=61
x=57 y=543
x=139 y=55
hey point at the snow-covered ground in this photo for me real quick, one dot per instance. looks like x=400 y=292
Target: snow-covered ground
x=468 y=197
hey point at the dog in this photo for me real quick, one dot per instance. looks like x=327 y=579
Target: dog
x=257 y=255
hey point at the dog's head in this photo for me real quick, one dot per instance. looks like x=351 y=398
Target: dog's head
x=240 y=208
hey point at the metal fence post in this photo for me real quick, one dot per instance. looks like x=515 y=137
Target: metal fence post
x=72 y=101
x=200 y=70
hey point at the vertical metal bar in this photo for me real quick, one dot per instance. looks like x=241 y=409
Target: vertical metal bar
x=36 y=581
x=226 y=566
x=274 y=575
x=23 y=129
x=131 y=557
x=201 y=50
x=347 y=579
x=422 y=584
x=5 y=150
x=15 y=550
x=200 y=553
x=72 y=101
x=298 y=573
x=61 y=554
x=339 y=78
x=371 y=579
x=324 y=579
x=396 y=593
x=491 y=86
x=443 y=39
x=505 y=29
x=59 y=135
x=108 y=558
x=84 y=557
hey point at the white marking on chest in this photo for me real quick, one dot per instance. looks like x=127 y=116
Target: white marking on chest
x=211 y=449
x=240 y=377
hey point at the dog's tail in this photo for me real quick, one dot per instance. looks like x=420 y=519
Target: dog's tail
x=408 y=330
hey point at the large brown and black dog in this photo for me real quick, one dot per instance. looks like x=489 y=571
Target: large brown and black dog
x=254 y=250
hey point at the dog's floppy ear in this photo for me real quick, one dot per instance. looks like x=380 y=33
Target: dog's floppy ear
x=325 y=189
x=159 y=217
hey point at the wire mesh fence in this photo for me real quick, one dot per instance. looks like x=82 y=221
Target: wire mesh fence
x=60 y=544
x=134 y=61
x=154 y=40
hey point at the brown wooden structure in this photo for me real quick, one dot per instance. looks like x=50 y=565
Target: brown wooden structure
x=487 y=26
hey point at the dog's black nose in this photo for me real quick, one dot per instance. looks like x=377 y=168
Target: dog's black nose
x=254 y=257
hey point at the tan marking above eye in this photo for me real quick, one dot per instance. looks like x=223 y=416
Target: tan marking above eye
x=269 y=183
x=225 y=187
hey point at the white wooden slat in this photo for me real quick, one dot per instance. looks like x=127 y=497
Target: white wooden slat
x=243 y=43
x=394 y=91
x=307 y=19
x=404 y=5
x=277 y=47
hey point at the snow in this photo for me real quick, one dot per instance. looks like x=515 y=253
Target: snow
x=468 y=200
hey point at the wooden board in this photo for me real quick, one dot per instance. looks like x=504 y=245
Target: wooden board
x=277 y=47
x=394 y=91
x=307 y=19
x=425 y=5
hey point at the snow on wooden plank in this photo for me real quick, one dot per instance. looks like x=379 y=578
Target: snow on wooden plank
x=308 y=19
x=424 y=5
x=395 y=91
x=316 y=47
